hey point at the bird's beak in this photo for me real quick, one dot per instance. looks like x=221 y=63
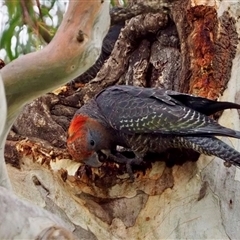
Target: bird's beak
x=93 y=161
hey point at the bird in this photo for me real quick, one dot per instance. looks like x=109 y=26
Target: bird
x=147 y=120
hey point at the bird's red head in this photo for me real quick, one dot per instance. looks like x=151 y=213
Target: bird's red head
x=79 y=143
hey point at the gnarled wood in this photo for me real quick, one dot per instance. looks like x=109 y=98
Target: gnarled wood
x=191 y=200
x=73 y=50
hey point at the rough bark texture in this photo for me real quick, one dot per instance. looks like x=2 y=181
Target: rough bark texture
x=188 y=47
x=26 y=78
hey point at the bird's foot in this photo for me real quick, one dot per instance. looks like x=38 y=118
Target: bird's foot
x=119 y=158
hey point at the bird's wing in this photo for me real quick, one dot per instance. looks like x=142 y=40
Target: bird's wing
x=148 y=110
x=200 y=104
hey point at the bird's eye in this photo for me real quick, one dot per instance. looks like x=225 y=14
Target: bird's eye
x=92 y=143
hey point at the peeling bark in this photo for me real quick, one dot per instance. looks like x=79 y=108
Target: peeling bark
x=60 y=61
x=49 y=73
x=116 y=65
x=27 y=78
x=194 y=50
x=24 y=220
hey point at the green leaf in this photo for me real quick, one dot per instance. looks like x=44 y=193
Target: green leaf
x=12 y=6
x=9 y=33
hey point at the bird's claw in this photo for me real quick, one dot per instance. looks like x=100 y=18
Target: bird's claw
x=119 y=158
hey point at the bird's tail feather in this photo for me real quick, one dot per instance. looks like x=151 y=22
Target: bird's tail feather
x=216 y=130
x=213 y=146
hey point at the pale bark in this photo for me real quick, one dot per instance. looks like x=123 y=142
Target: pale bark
x=197 y=200
x=4 y=180
x=23 y=220
x=75 y=47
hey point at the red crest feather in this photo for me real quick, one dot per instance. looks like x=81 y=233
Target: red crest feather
x=76 y=124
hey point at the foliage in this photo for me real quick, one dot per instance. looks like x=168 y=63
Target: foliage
x=29 y=25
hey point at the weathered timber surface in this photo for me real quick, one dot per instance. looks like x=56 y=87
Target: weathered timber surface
x=187 y=48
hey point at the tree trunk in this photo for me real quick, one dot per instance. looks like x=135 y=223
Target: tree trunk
x=188 y=46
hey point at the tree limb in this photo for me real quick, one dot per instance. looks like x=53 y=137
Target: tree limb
x=23 y=220
x=75 y=47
